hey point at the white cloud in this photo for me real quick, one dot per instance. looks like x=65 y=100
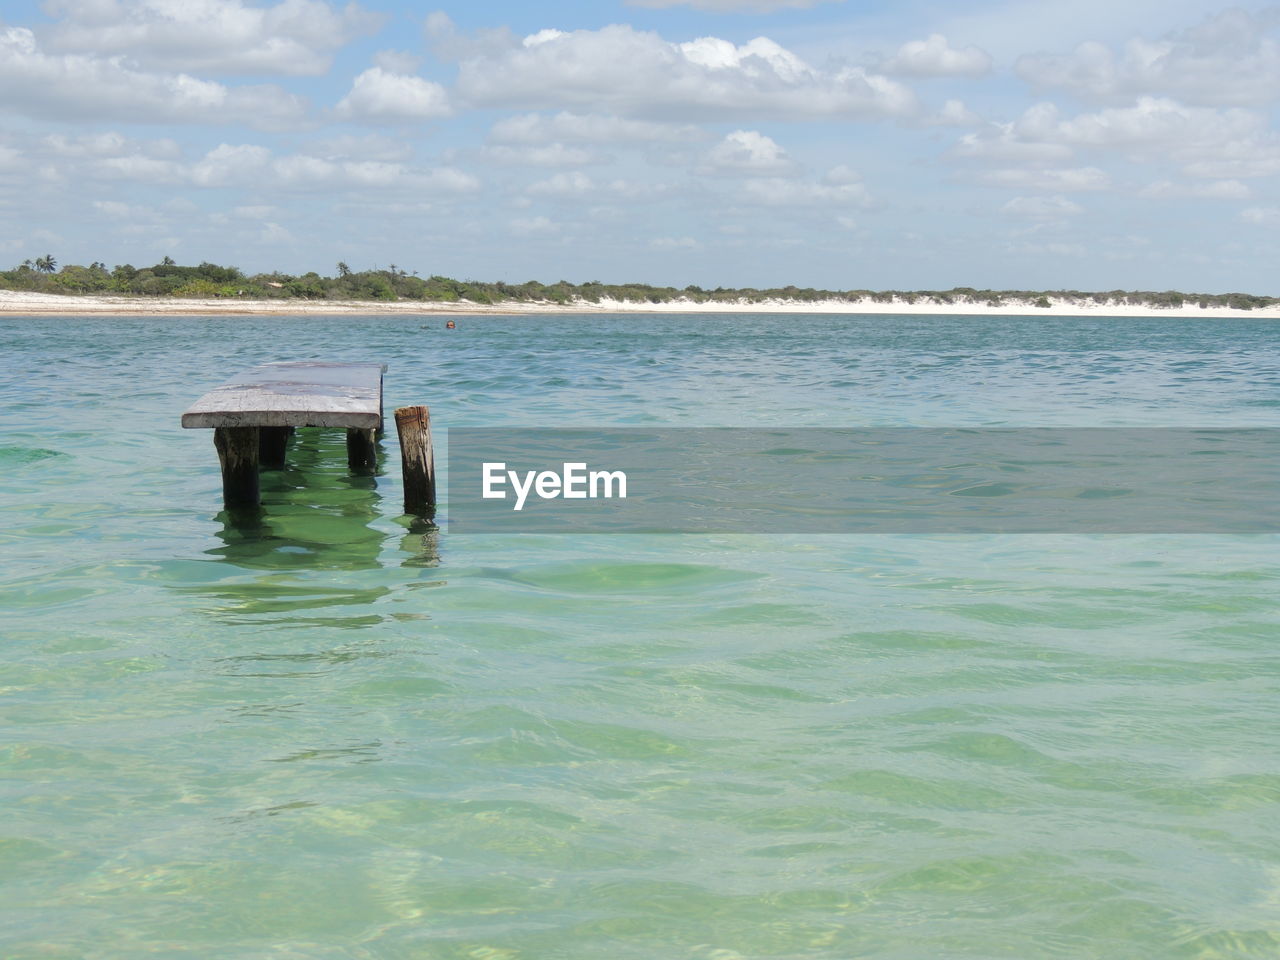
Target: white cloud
x=1060 y=180
x=623 y=71
x=295 y=37
x=953 y=114
x=934 y=57
x=563 y=186
x=1025 y=249
x=140 y=168
x=1041 y=208
x=10 y=159
x=377 y=95
x=253 y=165
x=533 y=227
x=1001 y=144
x=113 y=156
x=747 y=153
x=548 y=155
x=778 y=192
x=841 y=175
x=575 y=185
x=125 y=212
x=1213 y=190
x=674 y=243
x=587 y=128
x=273 y=234
x=83 y=87
x=1248 y=157
x=451 y=45
x=1151 y=122
x=1210 y=143
x=371 y=146
x=1227 y=60
x=239 y=163
x=397 y=61
x=1261 y=216
x=109 y=144
x=542 y=36
x=256 y=212
x=445 y=180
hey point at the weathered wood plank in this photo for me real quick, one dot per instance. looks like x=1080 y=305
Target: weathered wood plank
x=302 y=394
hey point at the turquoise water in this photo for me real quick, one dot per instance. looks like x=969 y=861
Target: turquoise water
x=338 y=735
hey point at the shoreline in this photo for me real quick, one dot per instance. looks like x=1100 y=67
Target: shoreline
x=21 y=303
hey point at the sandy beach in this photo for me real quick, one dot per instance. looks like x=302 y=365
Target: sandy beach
x=14 y=302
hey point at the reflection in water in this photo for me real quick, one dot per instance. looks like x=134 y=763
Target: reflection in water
x=356 y=753
x=311 y=558
x=303 y=664
x=315 y=513
x=313 y=539
x=421 y=543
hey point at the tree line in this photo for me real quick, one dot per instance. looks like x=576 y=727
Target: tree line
x=211 y=281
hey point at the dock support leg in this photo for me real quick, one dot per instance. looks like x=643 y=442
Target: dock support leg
x=361 y=452
x=418 y=460
x=238 y=453
x=272 y=442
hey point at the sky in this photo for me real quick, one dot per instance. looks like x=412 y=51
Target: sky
x=842 y=144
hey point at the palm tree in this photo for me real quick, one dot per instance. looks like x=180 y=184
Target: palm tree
x=46 y=264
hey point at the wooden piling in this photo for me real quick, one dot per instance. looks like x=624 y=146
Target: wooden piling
x=362 y=453
x=272 y=442
x=417 y=459
x=238 y=453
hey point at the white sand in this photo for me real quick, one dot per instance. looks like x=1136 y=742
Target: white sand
x=18 y=302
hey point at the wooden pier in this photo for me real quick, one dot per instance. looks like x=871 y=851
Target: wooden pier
x=254 y=414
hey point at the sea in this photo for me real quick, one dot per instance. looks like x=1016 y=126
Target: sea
x=334 y=732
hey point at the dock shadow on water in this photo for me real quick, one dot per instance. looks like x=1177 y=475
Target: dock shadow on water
x=313 y=543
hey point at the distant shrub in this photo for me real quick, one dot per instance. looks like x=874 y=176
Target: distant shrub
x=200 y=287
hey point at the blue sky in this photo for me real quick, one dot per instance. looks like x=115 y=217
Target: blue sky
x=840 y=144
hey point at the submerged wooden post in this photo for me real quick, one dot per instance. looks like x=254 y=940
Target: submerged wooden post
x=361 y=452
x=238 y=453
x=417 y=459
x=272 y=442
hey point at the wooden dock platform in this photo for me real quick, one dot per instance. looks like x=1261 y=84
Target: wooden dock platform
x=302 y=394
x=254 y=414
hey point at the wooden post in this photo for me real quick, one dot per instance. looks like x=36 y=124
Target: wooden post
x=272 y=442
x=238 y=453
x=417 y=459
x=361 y=452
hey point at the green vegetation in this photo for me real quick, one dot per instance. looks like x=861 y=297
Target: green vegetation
x=208 y=280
